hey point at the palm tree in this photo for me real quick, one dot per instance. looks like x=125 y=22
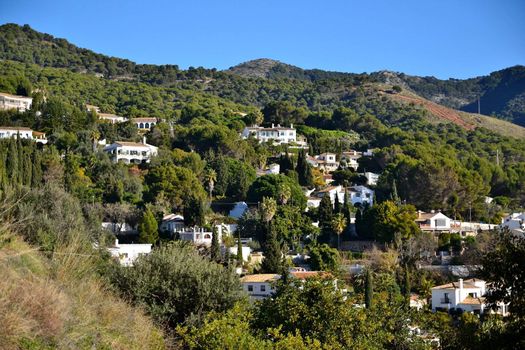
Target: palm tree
x=268 y=208
x=284 y=193
x=210 y=176
x=338 y=225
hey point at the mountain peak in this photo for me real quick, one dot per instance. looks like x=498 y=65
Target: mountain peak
x=258 y=68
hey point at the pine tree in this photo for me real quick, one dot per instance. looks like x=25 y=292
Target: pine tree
x=325 y=213
x=215 y=251
x=369 y=289
x=148 y=228
x=239 y=251
x=272 y=252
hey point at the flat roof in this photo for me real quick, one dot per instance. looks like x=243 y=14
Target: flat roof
x=261 y=277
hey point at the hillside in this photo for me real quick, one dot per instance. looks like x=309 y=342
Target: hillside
x=501 y=93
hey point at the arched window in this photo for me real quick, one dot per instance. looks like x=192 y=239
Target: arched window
x=141 y=126
x=146 y=125
x=207 y=236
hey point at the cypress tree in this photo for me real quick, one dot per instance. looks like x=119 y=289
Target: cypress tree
x=304 y=170
x=148 y=228
x=28 y=166
x=239 y=250
x=272 y=253
x=358 y=222
x=285 y=162
x=325 y=213
x=369 y=289
x=215 y=247
x=337 y=205
x=394 y=196
x=12 y=162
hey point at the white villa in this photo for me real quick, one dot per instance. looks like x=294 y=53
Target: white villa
x=259 y=286
x=172 y=223
x=112 y=118
x=20 y=103
x=22 y=132
x=324 y=161
x=433 y=221
x=126 y=254
x=131 y=152
x=144 y=124
x=356 y=195
x=467 y=296
x=515 y=222
x=278 y=134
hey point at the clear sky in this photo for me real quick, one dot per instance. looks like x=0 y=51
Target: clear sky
x=444 y=38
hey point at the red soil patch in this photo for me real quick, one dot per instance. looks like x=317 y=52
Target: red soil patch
x=438 y=111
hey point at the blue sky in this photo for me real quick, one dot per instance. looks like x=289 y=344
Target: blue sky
x=444 y=38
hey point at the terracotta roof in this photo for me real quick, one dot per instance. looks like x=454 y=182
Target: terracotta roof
x=472 y=301
x=422 y=216
x=15 y=128
x=261 y=277
x=144 y=119
x=310 y=274
x=131 y=144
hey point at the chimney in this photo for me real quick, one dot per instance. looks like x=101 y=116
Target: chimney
x=116 y=242
x=272 y=126
x=461 y=284
x=144 y=139
x=291 y=125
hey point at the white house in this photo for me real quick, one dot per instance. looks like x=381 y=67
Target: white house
x=144 y=124
x=467 y=296
x=128 y=253
x=259 y=286
x=324 y=161
x=246 y=251
x=117 y=227
x=278 y=134
x=515 y=222
x=22 y=132
x=201 y=236
x=20 y=103
x=356 y=195
x=433 y=221
x=111 y=118
x=131 y=152
x=371 y=178
x=172 y=223
x=349 y=159
x=360 y=195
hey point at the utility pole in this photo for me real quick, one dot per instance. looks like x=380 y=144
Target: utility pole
x=479 y=104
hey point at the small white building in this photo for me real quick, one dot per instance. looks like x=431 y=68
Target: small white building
x=433 y=221
x=277 y=134
x=371 y=178
x=201 y=236
x=131 y=152
x=467 y=296
x=259 y=286
x=111 y=118
x=172 y=223
x=118 y=227
x=126 y=254
x=144 y=124
x=356 y=195
x=515 y=222
x=7 y=132
x=20 y=103
x=246 y=252
x=360 y=195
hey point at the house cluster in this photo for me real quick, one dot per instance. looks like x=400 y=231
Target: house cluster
x=357 y=195
x=464 y=296
x=7 y=132
x=277 y=134
x=143 y=124
x=19 y=103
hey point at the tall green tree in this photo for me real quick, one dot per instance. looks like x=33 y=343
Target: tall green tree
x=148 y=228
x=325 y=213
x=272 y=253
x=304 y=170
x=215 y=251
x=369 y=289
x=338 y=227
x=239 y=251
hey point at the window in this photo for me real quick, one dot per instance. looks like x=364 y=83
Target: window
x=250 y=288
x=441 y=222
x=473 y=295
x=263 y=288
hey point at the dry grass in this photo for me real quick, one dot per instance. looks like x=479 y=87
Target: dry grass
x=59 y=303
